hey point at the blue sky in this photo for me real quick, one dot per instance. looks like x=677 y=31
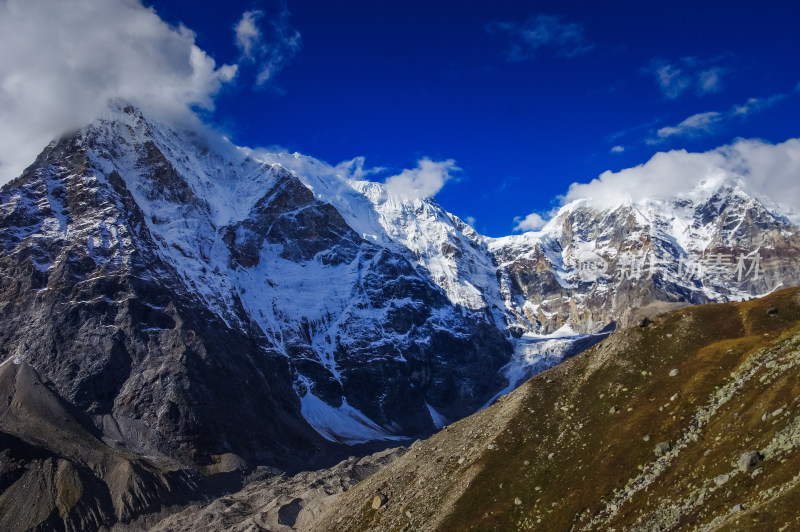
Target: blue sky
x=526 y=97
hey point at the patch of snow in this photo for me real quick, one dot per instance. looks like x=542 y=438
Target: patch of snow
x=439 y=421
x=534 y=354
x=344 y=424
x=565 y=331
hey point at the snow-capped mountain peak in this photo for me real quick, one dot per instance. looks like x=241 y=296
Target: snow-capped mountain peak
x=380 y=313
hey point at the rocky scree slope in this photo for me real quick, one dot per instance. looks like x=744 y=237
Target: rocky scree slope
x=56 y=474
x=279 y=503
x=689 y=423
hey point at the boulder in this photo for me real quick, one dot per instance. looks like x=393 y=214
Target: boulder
x=379 y=501
x=749 y=459
x=662 y=448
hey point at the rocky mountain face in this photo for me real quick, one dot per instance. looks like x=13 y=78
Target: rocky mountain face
x=90 y=303
x=691 y=422
x=204 y=309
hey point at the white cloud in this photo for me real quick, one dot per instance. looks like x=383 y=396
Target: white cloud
x=424 y=181
x=542 y=31
x=421 y=182
x=270 y=43
x=618 y=149
x=470 y=221
x=769 y=171
x=674 y=79
x=62 y=61
x=532 y=222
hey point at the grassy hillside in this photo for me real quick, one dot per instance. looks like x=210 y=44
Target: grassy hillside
x=575 y=447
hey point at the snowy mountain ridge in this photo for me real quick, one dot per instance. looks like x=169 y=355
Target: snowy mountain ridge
x=668 y=232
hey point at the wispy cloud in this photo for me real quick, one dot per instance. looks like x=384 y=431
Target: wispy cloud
x=617 y=149
x=355 y=168
x=627 y=132
x=269 y=42
x=248 y=35
x=694 y=125
x=754 y=105
x=675 y=79
x=671 y=79
x=710 y=122
x=710 y=80
x=539 y=32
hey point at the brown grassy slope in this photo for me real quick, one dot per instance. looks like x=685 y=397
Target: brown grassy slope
x=573 y=449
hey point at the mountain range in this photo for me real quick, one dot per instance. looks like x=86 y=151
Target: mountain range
x=177 y=311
